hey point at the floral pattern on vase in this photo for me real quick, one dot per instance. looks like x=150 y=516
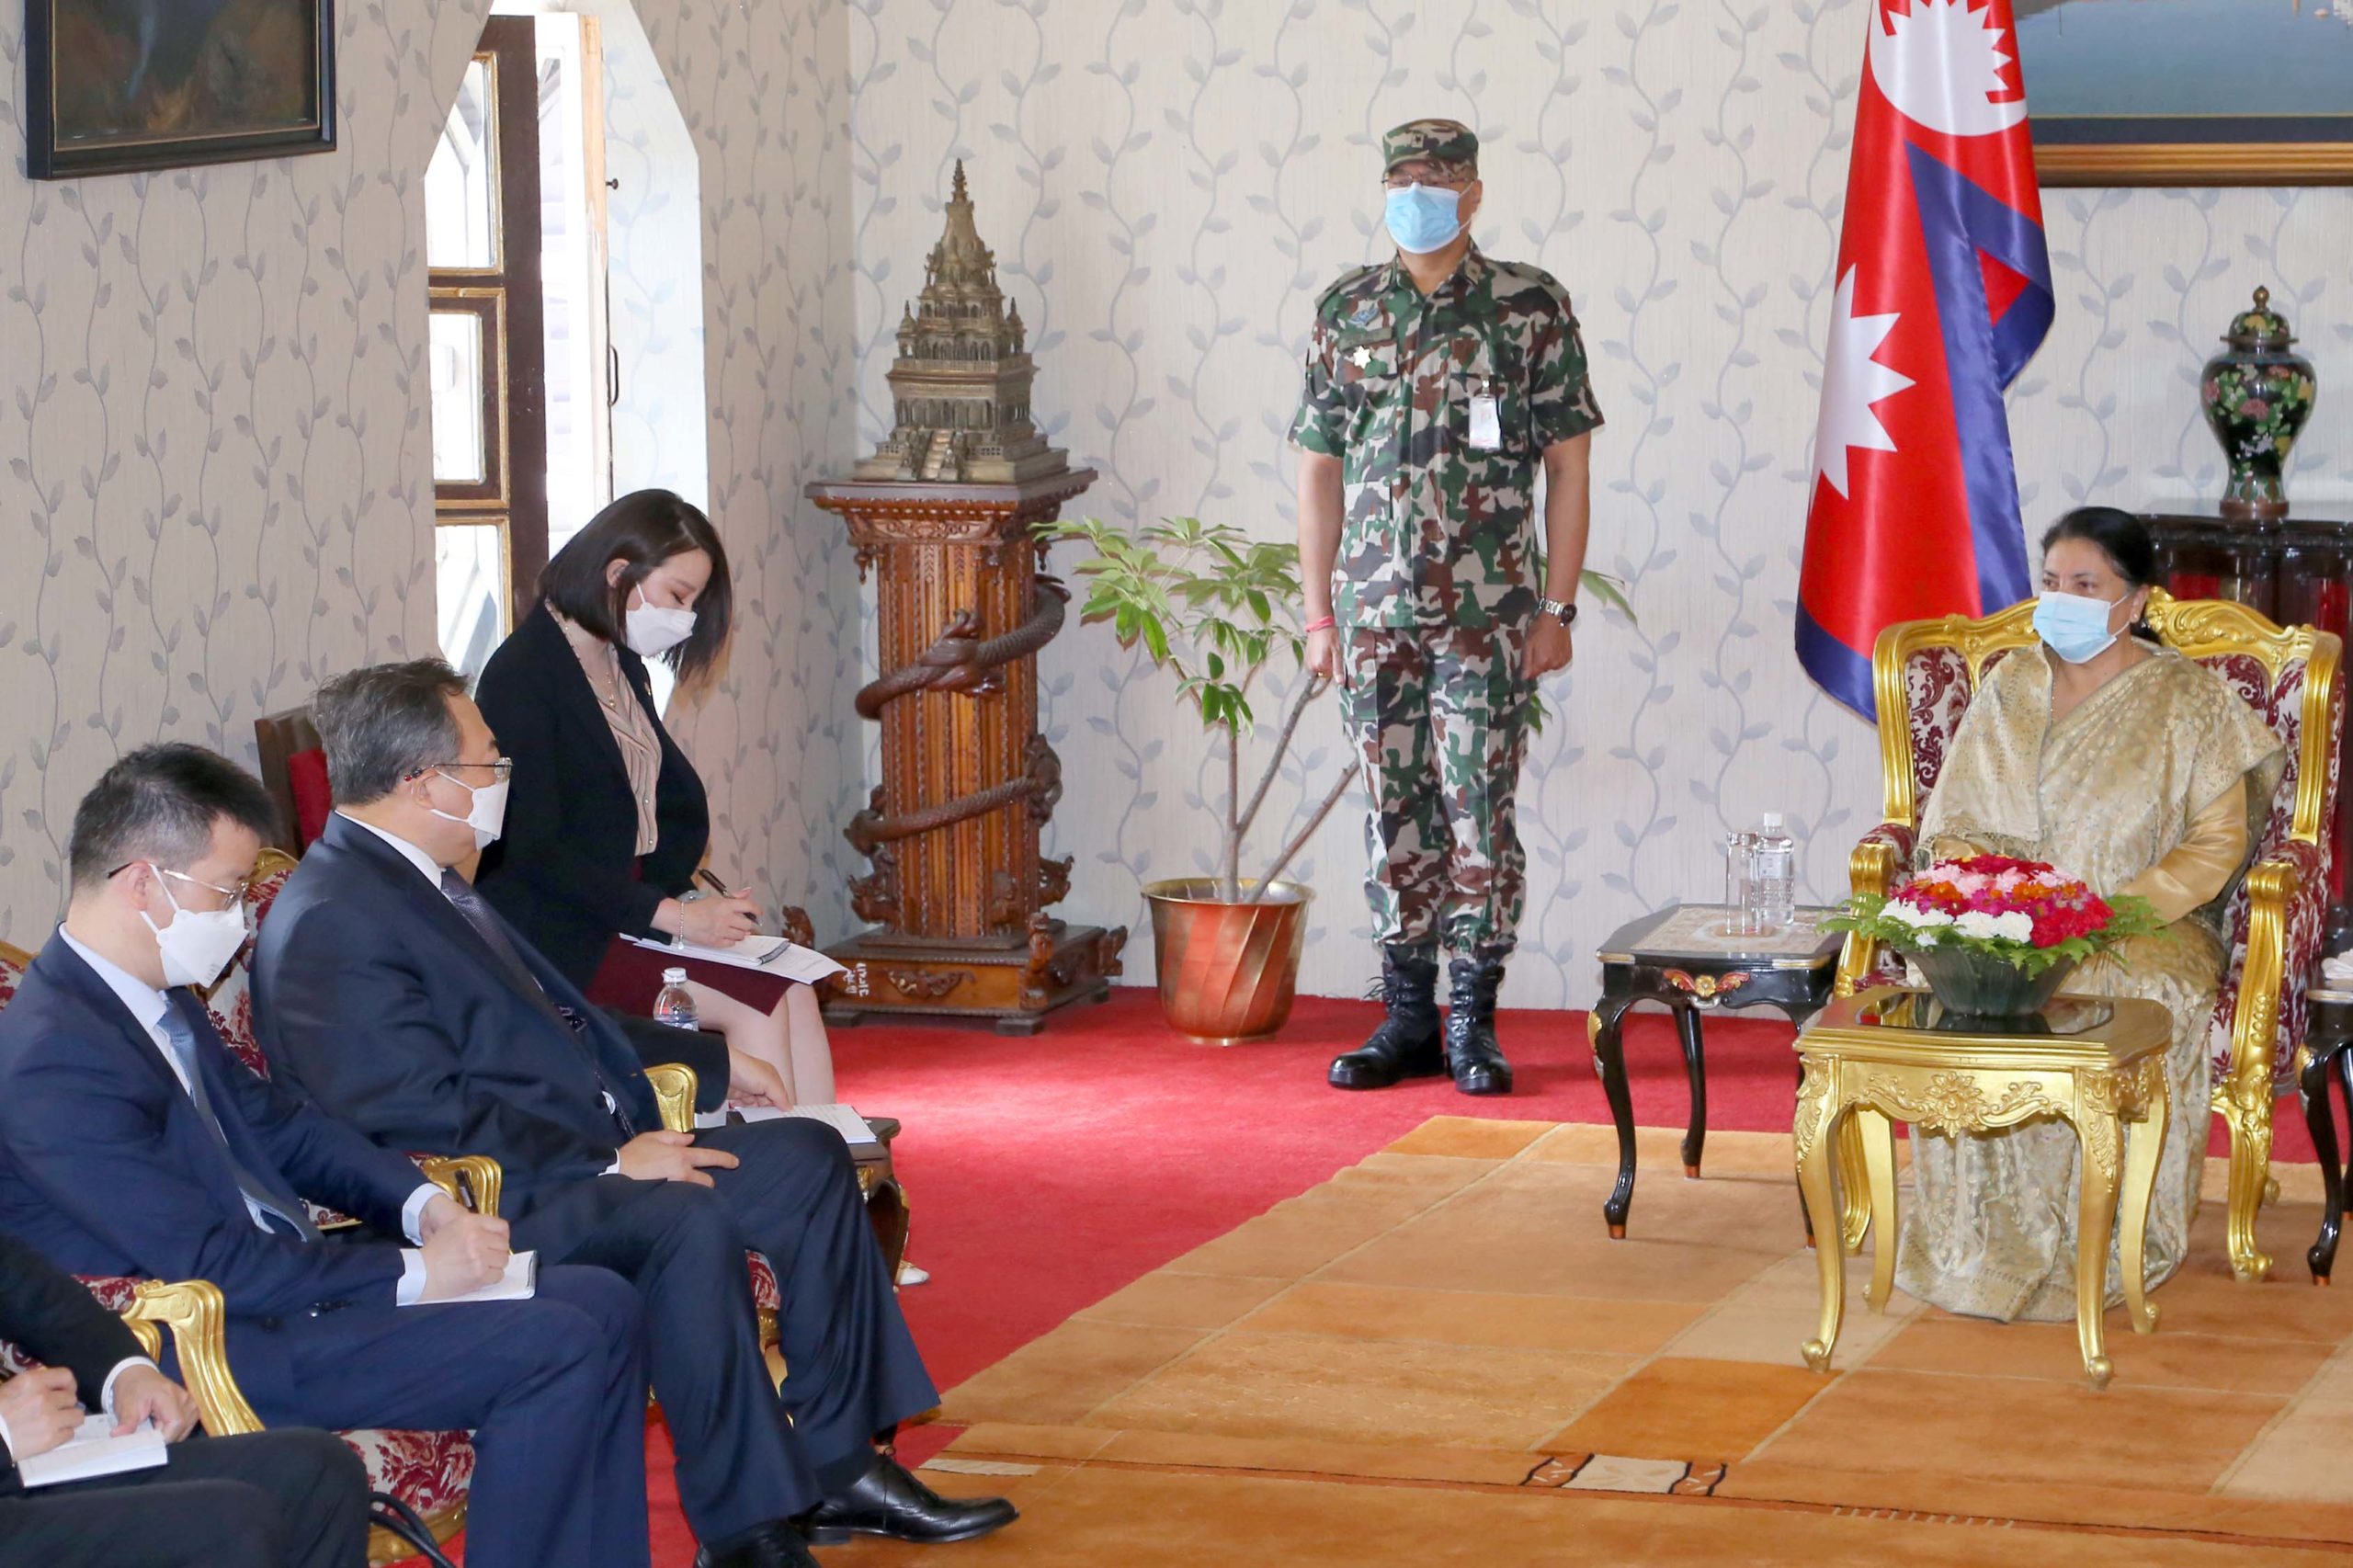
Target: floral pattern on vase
x=2257 y=396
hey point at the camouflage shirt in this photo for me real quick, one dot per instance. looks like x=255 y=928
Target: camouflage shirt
x=1437 y=531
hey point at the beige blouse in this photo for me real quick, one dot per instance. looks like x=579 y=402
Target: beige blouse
x=632 y=726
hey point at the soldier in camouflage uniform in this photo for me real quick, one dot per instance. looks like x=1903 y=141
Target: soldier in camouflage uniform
x=1437 y=382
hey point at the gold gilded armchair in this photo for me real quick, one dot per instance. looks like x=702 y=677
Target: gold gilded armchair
x=1924 y=672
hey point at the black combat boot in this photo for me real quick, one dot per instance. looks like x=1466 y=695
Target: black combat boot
x=1406 y=1045
x=1472 y=1054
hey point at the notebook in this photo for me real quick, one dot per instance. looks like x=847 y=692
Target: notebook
x=765 y=955
x=521 y=1278
x=94 y=1451
x=840 y=1117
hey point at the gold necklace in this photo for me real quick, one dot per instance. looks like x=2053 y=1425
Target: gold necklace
x=609 y=690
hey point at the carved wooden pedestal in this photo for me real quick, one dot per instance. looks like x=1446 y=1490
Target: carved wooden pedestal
x=959 y=892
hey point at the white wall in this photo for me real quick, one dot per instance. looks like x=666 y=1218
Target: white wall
x=214 y=473
x=1169 y=184
x=656 y=268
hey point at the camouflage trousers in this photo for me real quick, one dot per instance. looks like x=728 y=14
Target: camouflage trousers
x=1438 y=716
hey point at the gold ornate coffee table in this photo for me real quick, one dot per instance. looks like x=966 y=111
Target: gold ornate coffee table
x=1892 y=1055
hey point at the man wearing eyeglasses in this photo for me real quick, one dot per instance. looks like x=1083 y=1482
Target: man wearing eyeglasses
x=132 y=1143
x=1436 y=383
x=395 y=994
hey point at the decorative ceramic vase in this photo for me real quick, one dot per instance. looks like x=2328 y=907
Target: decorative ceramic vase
x=1979 y=985
x=1228 y=971
x=2256 y=397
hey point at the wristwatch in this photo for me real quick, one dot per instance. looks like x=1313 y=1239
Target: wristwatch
x=1566 y=614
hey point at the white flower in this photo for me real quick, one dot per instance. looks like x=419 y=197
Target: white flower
x=2016 y=925
x=1977 y=923
x=1917 y=918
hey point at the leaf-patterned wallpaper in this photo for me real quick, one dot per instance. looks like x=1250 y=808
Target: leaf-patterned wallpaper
x=217 y=486
x=215 y=489
x=215 y=437
x=1168 y=184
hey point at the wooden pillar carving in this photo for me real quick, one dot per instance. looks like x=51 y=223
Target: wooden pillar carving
x=941 y=515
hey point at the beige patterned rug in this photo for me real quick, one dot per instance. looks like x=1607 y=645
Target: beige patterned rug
x=1438 y=1356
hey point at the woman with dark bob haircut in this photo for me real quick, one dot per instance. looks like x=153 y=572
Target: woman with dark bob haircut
x=2100 y=750
x=607 y=822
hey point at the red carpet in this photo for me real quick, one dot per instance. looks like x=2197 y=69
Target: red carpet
x=1044 y=1174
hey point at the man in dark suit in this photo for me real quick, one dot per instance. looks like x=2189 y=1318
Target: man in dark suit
x=132 y=1141
x=396 y=995
x=292 y=1499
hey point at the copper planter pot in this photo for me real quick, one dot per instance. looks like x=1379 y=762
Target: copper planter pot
x=1228 y=971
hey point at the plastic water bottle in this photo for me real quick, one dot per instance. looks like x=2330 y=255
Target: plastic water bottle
x=1773 y=877
x=1740 y=853
x=675 y=1004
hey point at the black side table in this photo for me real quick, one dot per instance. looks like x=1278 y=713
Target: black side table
x=1680 y=959
x=2328 y=1043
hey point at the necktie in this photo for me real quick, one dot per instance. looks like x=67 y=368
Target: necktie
x=492 y=932
x=256 y=1191
x=469 y=903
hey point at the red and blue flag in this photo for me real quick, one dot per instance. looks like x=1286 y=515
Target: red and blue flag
x=1942 y=294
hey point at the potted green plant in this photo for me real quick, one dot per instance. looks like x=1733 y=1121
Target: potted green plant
x=1213 y=606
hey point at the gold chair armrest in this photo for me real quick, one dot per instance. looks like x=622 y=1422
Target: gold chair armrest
x=192 y=1310
x=675 y=1087
x=2271 y=886
x=474 y=1180
x=2244 y=1100
x=1871 y=867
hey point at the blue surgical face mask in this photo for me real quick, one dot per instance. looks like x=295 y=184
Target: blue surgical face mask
x=2075 y=626
x=1422 y=218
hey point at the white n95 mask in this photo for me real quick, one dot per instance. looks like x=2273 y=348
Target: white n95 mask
x=486 y=816
x=198 y=943
x=651 y=631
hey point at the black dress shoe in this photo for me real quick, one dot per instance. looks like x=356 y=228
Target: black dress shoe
x=1472 y=1054
x=888 y=1501
x=1405 y=1044
x=777 y=1544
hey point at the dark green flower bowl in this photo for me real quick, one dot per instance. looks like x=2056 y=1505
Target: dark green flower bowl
x=1979 y=985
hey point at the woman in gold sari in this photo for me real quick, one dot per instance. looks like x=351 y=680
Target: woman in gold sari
x=2125 y=763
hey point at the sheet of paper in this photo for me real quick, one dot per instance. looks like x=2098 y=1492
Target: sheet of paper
x=521 y=1278
x=94 y=1451
x=768 y=955
x=840 y=1117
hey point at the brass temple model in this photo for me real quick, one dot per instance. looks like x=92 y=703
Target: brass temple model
x=943 y=514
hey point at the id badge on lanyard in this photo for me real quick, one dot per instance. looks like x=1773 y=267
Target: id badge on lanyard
x=1486 y=417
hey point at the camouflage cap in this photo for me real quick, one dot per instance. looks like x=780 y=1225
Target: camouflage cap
x=1440 y=140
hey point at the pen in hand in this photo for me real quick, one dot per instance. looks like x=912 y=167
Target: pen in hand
x=740 y=922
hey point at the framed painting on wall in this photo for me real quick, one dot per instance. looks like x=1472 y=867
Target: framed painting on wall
x=114 y=86
x=2190 y=91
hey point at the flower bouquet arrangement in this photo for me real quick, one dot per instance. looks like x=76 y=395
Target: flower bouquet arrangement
x=1995 y=936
